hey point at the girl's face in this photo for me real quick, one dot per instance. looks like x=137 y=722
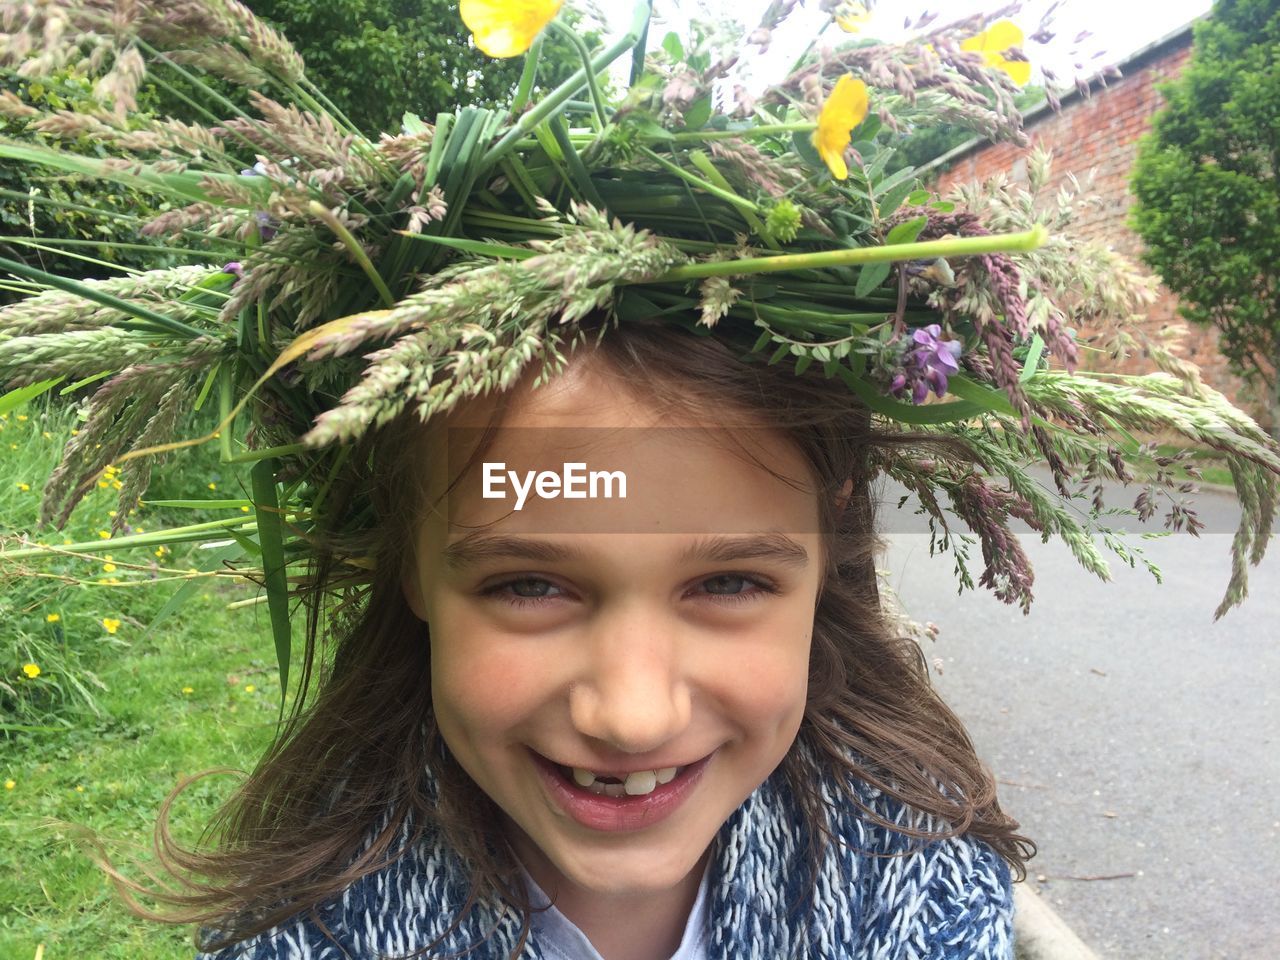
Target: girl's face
x=606 y=642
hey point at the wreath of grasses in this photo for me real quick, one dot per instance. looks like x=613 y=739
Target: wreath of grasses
x=337 y=281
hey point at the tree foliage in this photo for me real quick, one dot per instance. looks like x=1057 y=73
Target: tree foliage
x=377 y=59
x=1208 y=199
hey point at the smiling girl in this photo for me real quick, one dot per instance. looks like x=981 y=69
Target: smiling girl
x=673 y=720
x=680 y=717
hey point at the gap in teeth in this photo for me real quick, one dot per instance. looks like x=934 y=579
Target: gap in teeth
x=636 y=784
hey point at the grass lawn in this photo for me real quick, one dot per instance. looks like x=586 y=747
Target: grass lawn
x=112 y=774
x=99 y=717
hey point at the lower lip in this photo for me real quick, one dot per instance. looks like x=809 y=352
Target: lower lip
x=616 y=814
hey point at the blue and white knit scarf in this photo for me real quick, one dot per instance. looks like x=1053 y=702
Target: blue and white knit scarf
x=879 y=896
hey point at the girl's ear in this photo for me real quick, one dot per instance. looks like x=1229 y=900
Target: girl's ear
x=842 y=498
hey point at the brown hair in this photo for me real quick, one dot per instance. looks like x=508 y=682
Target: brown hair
x=345 y=774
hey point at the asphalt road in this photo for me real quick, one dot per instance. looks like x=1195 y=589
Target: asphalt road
x=1135 y=739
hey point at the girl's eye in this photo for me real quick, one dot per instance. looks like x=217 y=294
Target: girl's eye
x=736 y=587
x=725 y=588
x=525 y=590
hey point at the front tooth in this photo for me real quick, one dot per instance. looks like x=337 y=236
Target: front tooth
x=613 y=789
x=583 y=778
x=665 y=775
x=640 y=783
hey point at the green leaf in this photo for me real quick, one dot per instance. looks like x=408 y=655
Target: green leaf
x=413 y=124
x=942 y=206
x=1030 y=365
x=905 y=412
x=271 y=540
x=16 y=398
x=906 y=232
x=893 y=199
x=803 y=364
x=696 y=116
x=870 y=277
x=803 y=146
x=500 y=251
x=675 y=49
x=917 y=197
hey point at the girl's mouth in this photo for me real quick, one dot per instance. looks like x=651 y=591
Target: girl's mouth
x=612 y=803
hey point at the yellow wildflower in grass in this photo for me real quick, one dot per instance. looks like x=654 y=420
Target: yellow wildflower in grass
x=9 y=784
x=107 y=565
x=993 y=41
x=213 y=486
x=111 y=626
x=22 y=417
x=244 y=509
x=13 y=446
x=103 y=484
x=844 y=110
x=188 y=689
x=75 y=433
x=52 y=617
x=24 y=487
x=249 y=688
x=506 y=28
x=104 y=534
x=116 y=484
x=46 y=434
x=31 y=670
x=79 y=788
x=161 y=551
x=852 y=17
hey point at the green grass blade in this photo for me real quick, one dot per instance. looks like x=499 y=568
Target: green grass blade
x=271 y=540
x=16 y=398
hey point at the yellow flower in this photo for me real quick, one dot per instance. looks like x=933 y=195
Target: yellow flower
x=506 y=28
x=24 y=487
x=852 y=17
x=46 y=434
x=993 y=41
x=104 y=534
x=111 y=626
x=160 y=551
x=108 y=566
x=188 y=689
x=79 y=788
x=103 y=484
x=22 y=416
x=9 y=784
x=213 y=486
x=53 y=617
x=249 y=688
x=845 y=109
x=116 y=484
x=31 y=670
x=75 y=433
x=244 y=509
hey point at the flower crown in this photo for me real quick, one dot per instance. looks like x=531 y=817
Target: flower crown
x=343 y=281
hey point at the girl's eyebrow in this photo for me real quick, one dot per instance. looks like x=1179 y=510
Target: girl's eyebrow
x=478 y=547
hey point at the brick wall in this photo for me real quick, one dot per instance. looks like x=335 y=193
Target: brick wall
x=1101 y=132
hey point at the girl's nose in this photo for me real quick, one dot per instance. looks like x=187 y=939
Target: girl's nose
x=634 y=694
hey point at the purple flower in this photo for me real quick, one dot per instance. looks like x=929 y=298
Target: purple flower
x=927 y=364
x=236 y=268
x=266 y=228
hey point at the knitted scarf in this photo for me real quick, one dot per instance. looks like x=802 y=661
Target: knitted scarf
x=879 y=895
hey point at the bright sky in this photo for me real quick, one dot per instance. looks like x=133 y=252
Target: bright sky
x=1117 y=28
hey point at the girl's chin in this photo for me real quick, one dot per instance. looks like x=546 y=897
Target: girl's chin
x=634 y=877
